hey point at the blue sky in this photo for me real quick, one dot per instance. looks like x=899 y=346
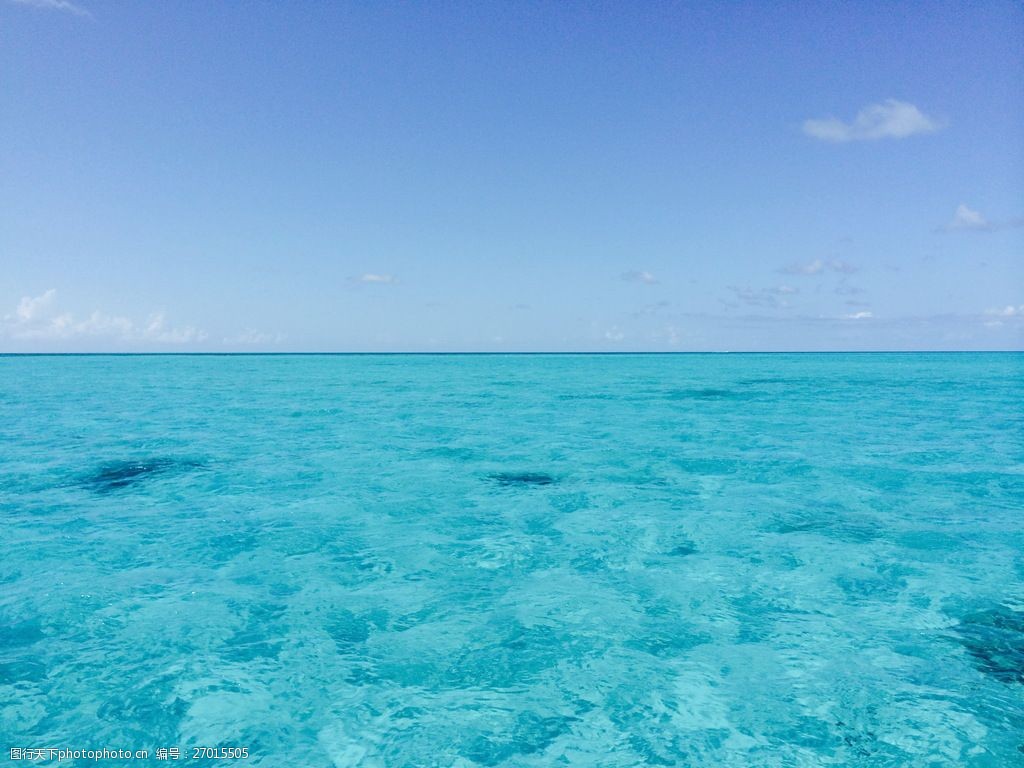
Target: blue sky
x=511 y=176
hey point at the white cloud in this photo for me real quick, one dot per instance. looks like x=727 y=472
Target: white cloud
x=764 y=297
x=864 y=315
x=891 y=119
x=810 y=268
x=968 y=218
x=54 y=5
x=639 y=276
x=614 y=334
x=818 y=266
x=30 y=308
x=1008 y=311
x=156 y=330
x=37 y=318
x=370 y=277
x=251 y=336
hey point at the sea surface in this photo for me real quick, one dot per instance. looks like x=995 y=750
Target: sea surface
x=515 y=560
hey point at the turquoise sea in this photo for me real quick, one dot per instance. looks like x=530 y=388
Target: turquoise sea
x=515 y=560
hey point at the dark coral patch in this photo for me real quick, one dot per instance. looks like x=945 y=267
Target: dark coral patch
x=995 y=640
x=19 y=635
x=683 y=549
x=122 y=474
x=347 y=629
x=522 y=479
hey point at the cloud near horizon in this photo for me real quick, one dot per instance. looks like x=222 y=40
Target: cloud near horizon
x=891 y=119
x=1008 y=311
x=997 y=317
x=38 y=318
x=613 y=334
x=253 y=337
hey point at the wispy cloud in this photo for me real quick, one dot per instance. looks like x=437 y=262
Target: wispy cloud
x=370 y=277
x=862 y=315
x=672 y=335
x=31 y=308
x=890 y=119
x=156 y=329
x=38 y=318
x=252 y=337
x=818 y=266
x=54 y=5
x=652 y=309
x=639 y=276
x=764 y=297
x=966 y=219
x=810 y=268
x=1008 y=311
x=999 y=316
x=846 y=288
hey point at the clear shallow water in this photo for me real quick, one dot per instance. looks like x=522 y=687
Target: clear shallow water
x=693 y=560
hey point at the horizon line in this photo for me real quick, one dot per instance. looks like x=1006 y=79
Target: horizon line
x=522 y=353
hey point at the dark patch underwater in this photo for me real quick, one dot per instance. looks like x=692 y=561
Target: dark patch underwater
x=522 y=479
x=116 y=475
x=995 y=640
